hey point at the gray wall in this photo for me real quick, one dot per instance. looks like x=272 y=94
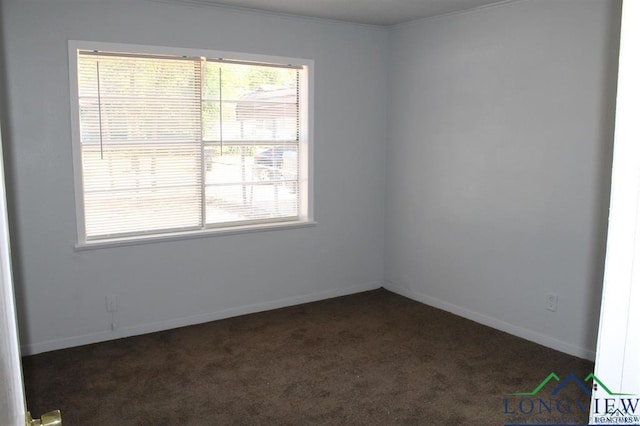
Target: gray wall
x=62 y=291
x=498 y=163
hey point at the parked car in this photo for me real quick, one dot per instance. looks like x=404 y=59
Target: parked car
x=272 y=157
x=277 y=163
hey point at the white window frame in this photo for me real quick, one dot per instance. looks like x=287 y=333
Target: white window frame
x=305 y=143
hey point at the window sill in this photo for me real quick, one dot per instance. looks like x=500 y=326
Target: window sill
x=176 y=236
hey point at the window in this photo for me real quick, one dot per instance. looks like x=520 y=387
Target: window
x=186 y=142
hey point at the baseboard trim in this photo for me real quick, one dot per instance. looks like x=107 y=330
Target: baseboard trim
x=524 y=333
x=102 y=336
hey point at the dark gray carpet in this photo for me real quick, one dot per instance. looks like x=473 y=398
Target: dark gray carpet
x=373 y=358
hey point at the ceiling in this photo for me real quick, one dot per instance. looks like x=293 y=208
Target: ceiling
x=374 y=12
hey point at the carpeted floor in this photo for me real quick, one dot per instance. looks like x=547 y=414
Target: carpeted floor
x=373 y=358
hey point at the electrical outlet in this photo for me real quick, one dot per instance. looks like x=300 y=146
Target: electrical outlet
x=552 y=302
x=112 y=303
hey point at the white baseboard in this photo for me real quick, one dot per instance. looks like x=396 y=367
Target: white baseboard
x=524 y=333
x=56 y=344
x=86 y=339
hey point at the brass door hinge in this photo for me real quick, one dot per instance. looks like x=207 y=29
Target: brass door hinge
x=52 y=418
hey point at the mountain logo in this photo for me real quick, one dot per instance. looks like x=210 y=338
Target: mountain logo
x=571 y=378
x=617 y=413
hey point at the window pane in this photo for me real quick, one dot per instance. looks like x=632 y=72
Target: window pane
x=137 y=188
x=249 y=182
x=140 y=144
x=259 y=103
x=138 y=99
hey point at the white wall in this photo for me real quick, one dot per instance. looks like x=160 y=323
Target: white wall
x=61 y=292
x=498 y=164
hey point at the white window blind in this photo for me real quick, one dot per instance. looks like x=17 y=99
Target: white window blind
x=174 y=144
